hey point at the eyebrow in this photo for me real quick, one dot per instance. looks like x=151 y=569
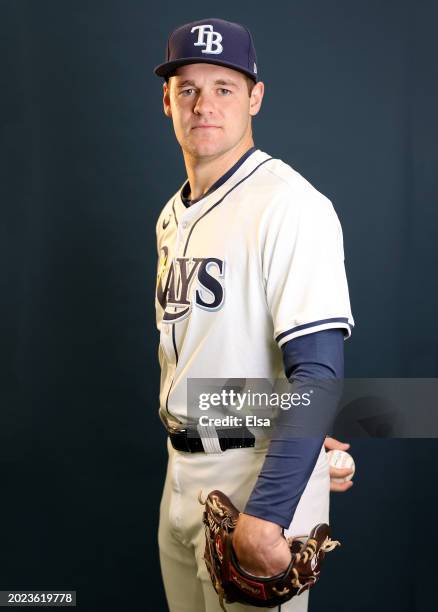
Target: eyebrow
x=217 y=82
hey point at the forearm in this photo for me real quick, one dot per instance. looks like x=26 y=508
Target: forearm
x=315 y=361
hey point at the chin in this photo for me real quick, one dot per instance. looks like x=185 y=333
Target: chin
x=206 y=149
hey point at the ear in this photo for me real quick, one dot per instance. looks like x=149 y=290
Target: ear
x=166 y=100
x=256 y=98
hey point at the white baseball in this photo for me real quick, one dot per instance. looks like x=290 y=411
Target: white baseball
x=341 y=459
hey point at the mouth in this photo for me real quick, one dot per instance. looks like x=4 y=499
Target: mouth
x=205 y=127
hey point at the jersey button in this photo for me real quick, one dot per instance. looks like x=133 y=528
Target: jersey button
x=185 y=224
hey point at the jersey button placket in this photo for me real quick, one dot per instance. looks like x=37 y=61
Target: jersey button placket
x=167 y=343
x=182 y=237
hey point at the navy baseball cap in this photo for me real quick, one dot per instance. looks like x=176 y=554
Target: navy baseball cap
x=211 y=41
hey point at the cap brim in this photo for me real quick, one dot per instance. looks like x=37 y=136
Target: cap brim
x=166 y=69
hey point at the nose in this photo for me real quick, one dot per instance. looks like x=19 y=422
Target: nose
x=204 y=104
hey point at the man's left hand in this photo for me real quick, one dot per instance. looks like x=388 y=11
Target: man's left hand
x=260 y=547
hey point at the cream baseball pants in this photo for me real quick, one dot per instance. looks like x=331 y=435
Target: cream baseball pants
x=181 y=532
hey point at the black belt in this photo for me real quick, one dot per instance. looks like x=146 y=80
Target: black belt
x=189 y=440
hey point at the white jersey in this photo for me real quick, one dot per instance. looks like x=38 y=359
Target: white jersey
x=253 y=264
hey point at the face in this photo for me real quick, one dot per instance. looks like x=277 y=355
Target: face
x=211 y=109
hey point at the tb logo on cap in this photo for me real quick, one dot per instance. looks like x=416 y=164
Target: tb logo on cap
x=207 y=37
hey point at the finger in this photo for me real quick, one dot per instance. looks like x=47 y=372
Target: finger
x=333 y=444
x=340 y=472
x=340 y=487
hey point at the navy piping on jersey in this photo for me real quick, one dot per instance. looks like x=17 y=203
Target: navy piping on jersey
x=187 y=202
x=213 y=188
x=206 y=213
x=174 y=344
x=173 y=325
x=221 y=200
x=174 y=213
x=167 y=398
x=315 y=323
x=222 y=180
x=173 y=330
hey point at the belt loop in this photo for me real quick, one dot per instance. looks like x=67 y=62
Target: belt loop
x=209 y=439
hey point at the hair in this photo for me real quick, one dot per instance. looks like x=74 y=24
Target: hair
x=249 y=82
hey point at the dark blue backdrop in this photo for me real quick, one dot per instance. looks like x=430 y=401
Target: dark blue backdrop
x=87 y=160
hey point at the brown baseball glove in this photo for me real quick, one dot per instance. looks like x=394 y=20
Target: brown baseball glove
x=234 y=584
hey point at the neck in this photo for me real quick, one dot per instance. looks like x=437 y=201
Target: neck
x=204 y=172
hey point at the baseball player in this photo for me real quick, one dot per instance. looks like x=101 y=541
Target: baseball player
x=251 y=284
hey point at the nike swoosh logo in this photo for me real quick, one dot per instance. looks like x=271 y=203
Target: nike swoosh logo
x=165 y=224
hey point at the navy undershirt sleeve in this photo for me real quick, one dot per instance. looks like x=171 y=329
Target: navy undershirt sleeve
x=289 y=460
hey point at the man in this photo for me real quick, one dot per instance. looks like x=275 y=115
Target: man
x=251 y=285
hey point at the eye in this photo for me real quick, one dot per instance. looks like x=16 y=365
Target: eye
x=186 y=92
x=224 y=91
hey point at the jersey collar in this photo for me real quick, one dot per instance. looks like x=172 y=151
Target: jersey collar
x=185 y=190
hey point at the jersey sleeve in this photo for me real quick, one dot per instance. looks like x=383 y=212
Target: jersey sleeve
x=303 y=267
